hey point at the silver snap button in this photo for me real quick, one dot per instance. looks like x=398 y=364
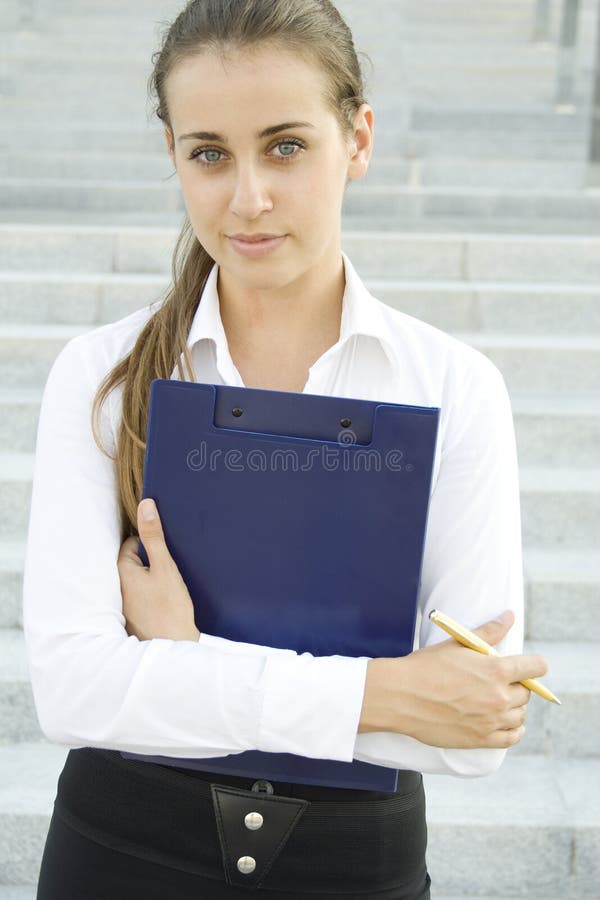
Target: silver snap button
x=262 y=787
x=253 y=821
x=246 y=865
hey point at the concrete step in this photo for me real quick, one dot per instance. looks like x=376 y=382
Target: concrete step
x=449 y=172
x=96 y=166
x=104 y=135
x=460 y=143
x=51 y=72
x=414 y=202
x=79 y=298
x=422 y=55
x=545 y=364
x=396 y=202
x=24 y=892
x=559 y=506
x=533 y=118
x=442 y=225
x=421 y=67
x=561 y=431
x=491 y=34
x=461 y=115
x=557 y=431
x=441 y=88
x=442 y=29
x=494 y=87
x=550 y=364
x=562 y=594
x=18 y=717
x=133 y=135
x=536 y=308
x=32 y=350
x=506 y=258
x=12 y=557
x=152 y=195
x=64 y=298
x=569 y=730
x=476 y=173
x=545 y=812
x=561 y=587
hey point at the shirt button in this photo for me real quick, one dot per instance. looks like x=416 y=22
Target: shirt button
x=246 y=865
x=253 y=821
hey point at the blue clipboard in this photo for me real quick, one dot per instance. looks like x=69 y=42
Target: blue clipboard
x=297 y=521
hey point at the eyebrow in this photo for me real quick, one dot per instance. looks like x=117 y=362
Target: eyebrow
x=267 y=132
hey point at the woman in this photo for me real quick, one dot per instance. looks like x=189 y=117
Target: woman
x=265 y=122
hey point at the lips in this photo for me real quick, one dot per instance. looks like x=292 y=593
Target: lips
x=255 y=246
x=254 y=238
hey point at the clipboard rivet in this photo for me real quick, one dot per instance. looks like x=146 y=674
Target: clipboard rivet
x=237 y=412
x=345 y=423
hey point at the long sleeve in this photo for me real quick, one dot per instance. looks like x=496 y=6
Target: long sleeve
x=93 y=685
x=472 y=565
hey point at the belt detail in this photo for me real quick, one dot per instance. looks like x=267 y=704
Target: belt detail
x=253 y=828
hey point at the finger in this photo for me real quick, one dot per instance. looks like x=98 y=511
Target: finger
x=519 y=695
x=506 y=738
x=493 y=631
x=128 y=554
x=522 y=667
x=515 y=717
x=151 y=534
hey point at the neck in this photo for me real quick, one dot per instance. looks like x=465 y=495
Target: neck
x=299 y=312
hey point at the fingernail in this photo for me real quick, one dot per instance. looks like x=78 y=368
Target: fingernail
x=505 y=617
x=148 y=510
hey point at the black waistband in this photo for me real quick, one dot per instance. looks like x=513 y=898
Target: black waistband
x=407 y=782
x=165 y=814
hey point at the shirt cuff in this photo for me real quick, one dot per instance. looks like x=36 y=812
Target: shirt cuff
x=312 y=705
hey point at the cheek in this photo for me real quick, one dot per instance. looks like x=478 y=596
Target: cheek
x=204 y=198
x=318 y=182
x=322 y=191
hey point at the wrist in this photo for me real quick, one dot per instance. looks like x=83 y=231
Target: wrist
x=381 y=709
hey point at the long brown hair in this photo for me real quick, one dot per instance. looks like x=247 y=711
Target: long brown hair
x=312 y=28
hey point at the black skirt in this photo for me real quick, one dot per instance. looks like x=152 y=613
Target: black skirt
x=123 y=828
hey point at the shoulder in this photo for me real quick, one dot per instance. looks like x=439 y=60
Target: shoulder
x=441 y=362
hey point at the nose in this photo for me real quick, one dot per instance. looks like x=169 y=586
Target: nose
x=250 y=195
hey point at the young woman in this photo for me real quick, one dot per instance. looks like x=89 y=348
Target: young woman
x=265 y=122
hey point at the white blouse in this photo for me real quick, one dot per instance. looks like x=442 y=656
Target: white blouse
x=95 y=686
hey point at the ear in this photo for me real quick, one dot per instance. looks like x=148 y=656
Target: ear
x=361 y=143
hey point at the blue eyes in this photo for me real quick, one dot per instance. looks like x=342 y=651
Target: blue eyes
x=289 y=149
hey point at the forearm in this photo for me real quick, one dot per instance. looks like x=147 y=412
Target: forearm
x=191 y=699
x=448 y=696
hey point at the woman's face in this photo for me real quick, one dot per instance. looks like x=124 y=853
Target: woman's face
x=266 y=156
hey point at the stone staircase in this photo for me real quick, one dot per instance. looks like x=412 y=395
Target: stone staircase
x=477 y=217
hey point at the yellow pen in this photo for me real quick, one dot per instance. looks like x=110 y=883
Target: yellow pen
x=469 y=639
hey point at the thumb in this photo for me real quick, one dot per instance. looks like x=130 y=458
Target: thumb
x=151 y=532
x=494 y=630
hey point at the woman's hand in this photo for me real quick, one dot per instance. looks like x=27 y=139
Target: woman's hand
x=447 y=695
x=156 y=601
